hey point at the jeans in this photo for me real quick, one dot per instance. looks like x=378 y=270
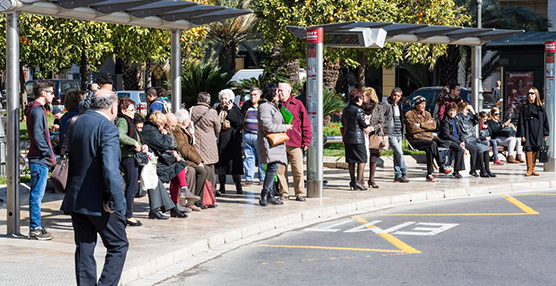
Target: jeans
x=39 y=174
x=131 y=175
x=399 y=163
x=271 y=170
x=251 y=157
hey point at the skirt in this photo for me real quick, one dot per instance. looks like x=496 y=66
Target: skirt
x=356 y=153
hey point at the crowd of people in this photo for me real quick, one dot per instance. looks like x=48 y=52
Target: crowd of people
x=454 y=127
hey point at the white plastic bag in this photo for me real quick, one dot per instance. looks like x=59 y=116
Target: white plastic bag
x=149 y=178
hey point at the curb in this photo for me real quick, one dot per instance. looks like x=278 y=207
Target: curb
x=313 y=215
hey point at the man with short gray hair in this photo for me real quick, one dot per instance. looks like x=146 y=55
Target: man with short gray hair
x=94 y=194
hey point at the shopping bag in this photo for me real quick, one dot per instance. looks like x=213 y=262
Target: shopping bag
x=208 y=194
x=149 y=178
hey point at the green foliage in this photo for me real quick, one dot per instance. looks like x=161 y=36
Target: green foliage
x=197 y=77
x=277 y=14
x=332 y=102
x=135 y=44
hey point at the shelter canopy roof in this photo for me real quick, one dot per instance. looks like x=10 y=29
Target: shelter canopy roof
x=525 y=39
x=417 y=33
x=165 y=14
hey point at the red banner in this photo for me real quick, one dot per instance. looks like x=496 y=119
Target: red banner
x=314 y=36
x=550 y=47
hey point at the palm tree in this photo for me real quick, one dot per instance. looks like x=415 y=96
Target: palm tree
x=225 y=37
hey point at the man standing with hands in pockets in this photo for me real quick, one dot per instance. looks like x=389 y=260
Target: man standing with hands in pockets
x=94 y=193
x=300 y=139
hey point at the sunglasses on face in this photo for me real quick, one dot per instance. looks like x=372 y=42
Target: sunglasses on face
x=531 y=93
x=496 y=114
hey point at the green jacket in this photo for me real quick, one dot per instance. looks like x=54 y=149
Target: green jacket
x=127 y=144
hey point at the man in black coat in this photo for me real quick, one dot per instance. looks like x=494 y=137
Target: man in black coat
x=94 y=193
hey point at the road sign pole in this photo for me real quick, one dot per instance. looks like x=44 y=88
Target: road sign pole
x=549 y=97
x=314 y=108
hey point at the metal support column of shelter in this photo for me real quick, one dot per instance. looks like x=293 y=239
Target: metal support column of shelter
x=175 y=65
x=476 y=60
x=315 y=60
x=12 y=112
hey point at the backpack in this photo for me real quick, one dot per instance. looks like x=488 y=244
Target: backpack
x=166 y=106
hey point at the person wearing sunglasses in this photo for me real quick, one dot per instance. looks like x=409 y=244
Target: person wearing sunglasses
x=532 y=128
x=503 y=133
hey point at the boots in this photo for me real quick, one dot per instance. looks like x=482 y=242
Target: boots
x=519 y=158
x=271 y=199
x=512 y=160
x=239 y=189
x=533 y=161
x=264 y=196
x=530 y=164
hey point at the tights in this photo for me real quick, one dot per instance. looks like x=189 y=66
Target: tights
x=360 y=170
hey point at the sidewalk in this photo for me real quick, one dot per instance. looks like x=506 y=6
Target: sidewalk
x=160 y=244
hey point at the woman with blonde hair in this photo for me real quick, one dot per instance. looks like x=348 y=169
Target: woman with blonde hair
x=532 y=128
x=503 y=134
x=375 y=119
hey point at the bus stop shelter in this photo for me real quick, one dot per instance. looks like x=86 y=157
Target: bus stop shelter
x=174 y=15
x=375 y=35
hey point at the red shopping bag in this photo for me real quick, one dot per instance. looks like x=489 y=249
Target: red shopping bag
x=208 y=194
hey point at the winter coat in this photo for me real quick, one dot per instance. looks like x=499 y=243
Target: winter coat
x=353 y=121
x=270 y=121
x=533 y=125
x=447 y=130
x=127 y=144
x=207 y=126
x=467 y=126
x=185 y=146
x=376 y=111
x=166 y=167
x=229 y=144
x=426 y=125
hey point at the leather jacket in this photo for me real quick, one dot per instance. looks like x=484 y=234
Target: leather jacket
x=467 y=126
x=353 y=121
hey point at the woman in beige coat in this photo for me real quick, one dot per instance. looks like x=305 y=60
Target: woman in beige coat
x=207 y=126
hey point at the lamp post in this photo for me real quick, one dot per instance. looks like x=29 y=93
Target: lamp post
x=476 y=59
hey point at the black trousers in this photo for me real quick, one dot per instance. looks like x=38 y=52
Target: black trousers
x=431 y=149
x=457 y=152
x=160 y=199
x=111 y=228
x=131 y=177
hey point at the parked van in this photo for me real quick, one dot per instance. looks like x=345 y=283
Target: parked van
x=138 y=96
x=61 y=86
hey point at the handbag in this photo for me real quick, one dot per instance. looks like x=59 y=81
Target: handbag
x=276 y=139
x=507 y=132
x=59 y=175
x=378 y=140
x=208 y=194
x=543 y=153
x=141 y=158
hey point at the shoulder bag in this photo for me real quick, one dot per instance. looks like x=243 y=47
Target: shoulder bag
x=378 y=140
x=59 y=175
x=543 y=153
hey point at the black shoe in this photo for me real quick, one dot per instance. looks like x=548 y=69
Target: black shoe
x=356 y=186
x=457 y=175
x=492 y=175
x=264 y=196
x=212 y=206
x=157 y=215
x=135 y=223
x=300 y=198
x=272 y=200
x=484 y=175
x=239 y=189
x=217 y=194
x=201 y=206
x=474 y=174
x=177 y=213
x=401 y=179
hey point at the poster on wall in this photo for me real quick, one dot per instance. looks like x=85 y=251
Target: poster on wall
x=517 y=85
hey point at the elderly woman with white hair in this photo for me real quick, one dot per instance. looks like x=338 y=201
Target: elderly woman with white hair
x=229 y=142
x=195 y=167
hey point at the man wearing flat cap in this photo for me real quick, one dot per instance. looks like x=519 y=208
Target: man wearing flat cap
x=420 y=125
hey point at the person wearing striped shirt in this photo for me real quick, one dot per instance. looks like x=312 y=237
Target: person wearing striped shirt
x=250 y=129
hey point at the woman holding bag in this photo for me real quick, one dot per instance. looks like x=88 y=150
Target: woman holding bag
x=532 y=128
x=130 y=144
x=270 y=122
x=375 y=119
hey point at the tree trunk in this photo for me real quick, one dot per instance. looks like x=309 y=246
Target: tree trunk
x=292 y=69
x=361 y=69
x=148 y=75
x=84 y=71
x=331 y=73
x=131 y=76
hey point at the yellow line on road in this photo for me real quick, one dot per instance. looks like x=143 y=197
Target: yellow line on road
x=520 y=205
x=526 y=211
x=404 y=247
x=327 y=248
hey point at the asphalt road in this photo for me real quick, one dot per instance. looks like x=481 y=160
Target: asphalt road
x=480 y=241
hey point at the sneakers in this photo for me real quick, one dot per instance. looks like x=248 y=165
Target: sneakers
x=430 y=178
x=40 y=234
x=498 y=162
x=445 y=171
x=401 y=179
x=457 y=175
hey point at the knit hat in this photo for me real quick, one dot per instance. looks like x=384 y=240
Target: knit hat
x=418 y=100
x=56 y=110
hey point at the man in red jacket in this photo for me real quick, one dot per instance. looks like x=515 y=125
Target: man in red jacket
x=300 y=139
